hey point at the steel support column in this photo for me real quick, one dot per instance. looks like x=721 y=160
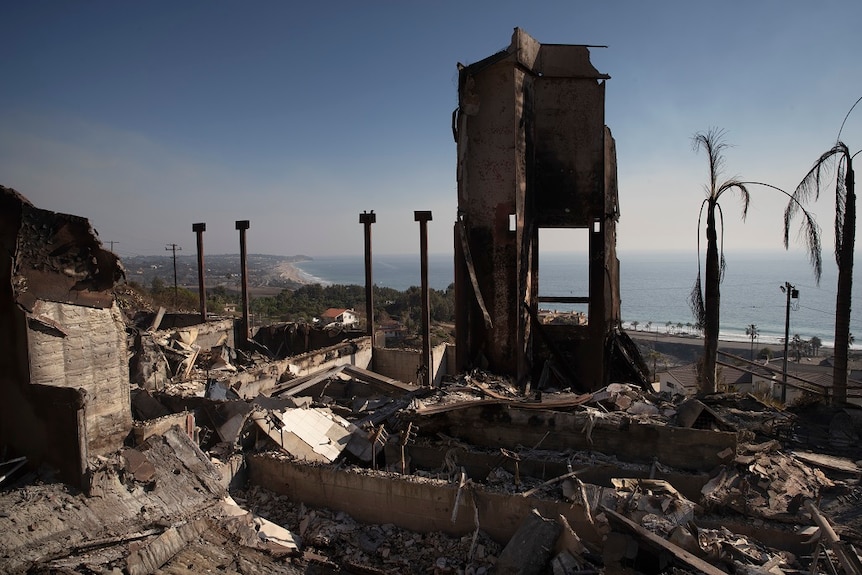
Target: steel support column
x=367 y=219
x=425 y=373
x=199 y=229
x=242 y=226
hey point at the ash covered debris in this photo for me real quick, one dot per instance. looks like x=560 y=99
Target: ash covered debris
x=146 y=509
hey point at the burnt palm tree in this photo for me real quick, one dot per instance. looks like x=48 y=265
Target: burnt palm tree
x=839 y=160
x=705 y=296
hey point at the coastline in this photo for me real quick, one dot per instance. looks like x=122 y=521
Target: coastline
x=654 y=290
x=290 y=272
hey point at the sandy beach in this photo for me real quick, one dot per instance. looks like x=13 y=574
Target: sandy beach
x=290 y=272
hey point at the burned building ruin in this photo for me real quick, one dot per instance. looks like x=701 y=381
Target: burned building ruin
x=533 y=153
x=65 y=373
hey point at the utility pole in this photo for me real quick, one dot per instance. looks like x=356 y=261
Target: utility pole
x=112 y=245
x=791 y=292
x=174 y=248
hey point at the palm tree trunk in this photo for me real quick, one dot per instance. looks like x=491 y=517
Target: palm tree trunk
x=711 y=304
x=845 y=284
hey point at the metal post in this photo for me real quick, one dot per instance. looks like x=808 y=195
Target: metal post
x=425 y=372
x=242 y=226
x=367 y=219
x=199 y=229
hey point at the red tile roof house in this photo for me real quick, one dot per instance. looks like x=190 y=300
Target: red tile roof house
x=345 y=317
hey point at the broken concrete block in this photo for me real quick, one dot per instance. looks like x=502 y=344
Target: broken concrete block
x=143 y=430
x=312 y=434
x=275 y=536
x=529 y=549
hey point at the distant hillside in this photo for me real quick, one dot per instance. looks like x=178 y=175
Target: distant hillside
x=221 y=269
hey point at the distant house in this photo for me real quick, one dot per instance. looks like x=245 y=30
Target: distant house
x=562 y=318
x=801 y=379
x=683 y=380
x=345 y=317
x=393 y=331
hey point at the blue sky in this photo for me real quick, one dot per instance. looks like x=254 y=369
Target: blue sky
x=146 y=117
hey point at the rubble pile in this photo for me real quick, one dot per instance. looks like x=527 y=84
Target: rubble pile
x=143 y=506
x=638 y=511
x=357 y=420
x=765 y=482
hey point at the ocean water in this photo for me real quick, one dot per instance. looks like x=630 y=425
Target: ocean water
x=654 y=288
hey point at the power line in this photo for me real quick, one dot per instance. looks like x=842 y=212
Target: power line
x=818 y=310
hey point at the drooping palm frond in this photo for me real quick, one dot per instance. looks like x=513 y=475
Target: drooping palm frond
x=809 y=190
x=736 y=185
x=695 y=298
x=695 y=301
x=809 y=231
x=809 y=187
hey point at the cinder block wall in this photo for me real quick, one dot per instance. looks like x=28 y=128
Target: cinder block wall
x=87 y=351
x=509 y=426
x=401 y=364
x=423 y=505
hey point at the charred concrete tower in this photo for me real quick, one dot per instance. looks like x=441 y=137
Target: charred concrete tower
x=533 y=153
